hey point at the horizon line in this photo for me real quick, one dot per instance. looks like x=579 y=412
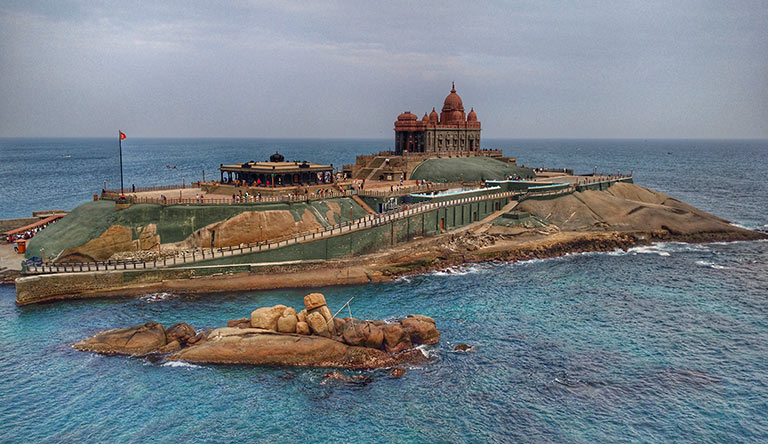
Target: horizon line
x=377 y=139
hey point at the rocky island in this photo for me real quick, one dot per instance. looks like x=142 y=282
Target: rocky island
x=279 y=335
x=436 y=201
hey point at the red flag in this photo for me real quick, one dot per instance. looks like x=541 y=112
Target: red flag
x=122 y=135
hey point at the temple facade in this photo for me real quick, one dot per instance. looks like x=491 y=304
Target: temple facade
x=451 y=131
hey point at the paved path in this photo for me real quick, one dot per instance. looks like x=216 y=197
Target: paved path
x=8 y=258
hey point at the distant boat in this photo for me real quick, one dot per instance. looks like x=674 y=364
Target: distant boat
x=66 y=156
x=171 y=167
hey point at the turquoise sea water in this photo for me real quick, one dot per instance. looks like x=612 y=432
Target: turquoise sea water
x=667 y=343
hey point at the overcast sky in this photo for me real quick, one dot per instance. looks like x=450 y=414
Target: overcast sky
x=278 y=68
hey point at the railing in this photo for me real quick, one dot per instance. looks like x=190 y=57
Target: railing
x=408 y=189
x=133 y=189
x=240 y=199
x=364 y=223
x=202 y=254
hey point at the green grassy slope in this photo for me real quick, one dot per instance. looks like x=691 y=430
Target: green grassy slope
x=470 y=169
x=174 y=223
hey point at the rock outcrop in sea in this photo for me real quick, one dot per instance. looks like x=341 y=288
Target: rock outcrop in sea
x=279 y=335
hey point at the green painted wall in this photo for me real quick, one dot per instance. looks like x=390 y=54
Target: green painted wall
x=174 y=222
x=471 y=169
x=373 y=239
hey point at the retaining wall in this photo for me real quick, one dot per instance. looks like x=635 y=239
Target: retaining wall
x=46 y=287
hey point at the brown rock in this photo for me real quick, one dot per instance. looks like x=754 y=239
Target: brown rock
x=277 y=349
x=170 y=347
x=314 y=300
x=374 y=337
x=302 y=315
x=335 y=375
x=180 y=332
x=362 y=333
x=136 y=340
x=354 y=333
x=326 y=312
x=302 y=328
x=397 y=373
x=338 y=324
x=287 y=322
x=318 y=324
x=420 y=329
x=395 y=338
x=239 y=323
x=463 y=347
x=266 y=317
x=422 y=318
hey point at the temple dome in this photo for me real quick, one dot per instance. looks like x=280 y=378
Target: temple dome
x=433 y=115
x=472 y=117
x=407 y=116
x=425 y=118
x=453 y=101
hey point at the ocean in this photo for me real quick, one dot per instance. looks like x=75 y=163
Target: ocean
x=659 y=344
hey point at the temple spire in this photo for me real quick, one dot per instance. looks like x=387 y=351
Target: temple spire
x=453 y=87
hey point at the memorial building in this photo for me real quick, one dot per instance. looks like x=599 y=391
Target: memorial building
x=451 y=131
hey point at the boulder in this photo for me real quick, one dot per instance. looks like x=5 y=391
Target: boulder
x=302 y=315
x=282 y=349
x=318 y=325
x=421 y=329
x=266 y=317
x=397 y=373
x=374 y=337
x=136 y=340
x=353 y=333
x=328 y=316
x=302 y=328
x=170 y=347
x=338 y=325
x=201 y=336
x=395 y=338
x=314 y=300
x=362 y=333
x=463 y=347
x=180 y=332
x=239 y=323
x=286 y=323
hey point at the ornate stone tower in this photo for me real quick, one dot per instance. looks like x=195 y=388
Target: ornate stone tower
x=452 y=131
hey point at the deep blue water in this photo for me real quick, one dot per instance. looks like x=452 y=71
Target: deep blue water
x=667 y=343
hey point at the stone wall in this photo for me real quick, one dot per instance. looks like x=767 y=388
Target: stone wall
x=12 y=224
x=40 y=288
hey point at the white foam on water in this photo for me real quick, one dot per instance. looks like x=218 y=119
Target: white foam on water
x=181 y=364
x=427 y=351
x=156 y=297
x=459 y=270
x=711 y=265
x=658 y=249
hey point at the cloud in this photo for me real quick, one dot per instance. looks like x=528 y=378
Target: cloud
x=346 y=69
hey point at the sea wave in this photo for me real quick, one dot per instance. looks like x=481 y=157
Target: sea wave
x=180 y=364
x=460 y=270
x=711 y=265
x=156 y=297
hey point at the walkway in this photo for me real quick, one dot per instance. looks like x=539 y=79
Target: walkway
x=364 y=223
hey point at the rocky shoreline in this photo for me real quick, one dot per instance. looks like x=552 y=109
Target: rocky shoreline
x=279 y=335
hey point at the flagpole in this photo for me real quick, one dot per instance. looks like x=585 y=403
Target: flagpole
x=120 y=141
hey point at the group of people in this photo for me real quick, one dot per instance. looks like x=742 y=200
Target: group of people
x=245 y=197
x=24 y=235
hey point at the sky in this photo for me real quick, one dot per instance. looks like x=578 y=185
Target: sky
x=346 y=69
